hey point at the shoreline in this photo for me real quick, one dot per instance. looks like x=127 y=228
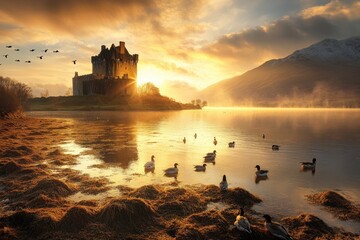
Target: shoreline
x=35 y=199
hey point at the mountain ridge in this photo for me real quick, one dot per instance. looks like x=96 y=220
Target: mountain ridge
x=325 y=74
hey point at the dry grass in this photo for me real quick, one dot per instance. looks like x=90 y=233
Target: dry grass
x=336 y=204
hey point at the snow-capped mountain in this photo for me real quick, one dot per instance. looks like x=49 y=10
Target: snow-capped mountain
x=329 y=50
x=325 y=74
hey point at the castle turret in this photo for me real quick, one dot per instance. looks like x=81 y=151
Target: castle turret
x=122 y=47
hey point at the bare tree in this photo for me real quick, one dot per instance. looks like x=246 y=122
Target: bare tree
x=13 y=96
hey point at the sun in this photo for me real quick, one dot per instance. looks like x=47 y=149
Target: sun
x=150 y=74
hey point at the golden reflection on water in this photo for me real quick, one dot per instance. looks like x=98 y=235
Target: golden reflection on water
x=118 y=144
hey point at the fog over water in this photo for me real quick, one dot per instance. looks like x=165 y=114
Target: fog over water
x=118 y=144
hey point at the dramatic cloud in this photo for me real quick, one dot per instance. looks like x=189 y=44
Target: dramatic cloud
x=197 y=42
x=251 y=47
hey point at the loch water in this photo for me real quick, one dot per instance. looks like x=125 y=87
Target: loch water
x=116 y=145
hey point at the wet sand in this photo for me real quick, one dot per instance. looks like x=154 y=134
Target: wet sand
x=36 y=202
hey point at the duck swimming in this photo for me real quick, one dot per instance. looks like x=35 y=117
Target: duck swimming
x=309 y=164
x=151 y=164
x=242 y=223
x=215 y=141
x=261 y=173
x=276 y=229
x=231 y=144
x=184 y=140
x=210 y=156
x=200 y=168
x=173 y=170
x=275 y=147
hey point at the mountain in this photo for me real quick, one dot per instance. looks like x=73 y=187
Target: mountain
x=325 y=74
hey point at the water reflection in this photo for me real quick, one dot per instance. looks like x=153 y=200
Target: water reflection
x=306 y=169
x=260 y=178
x=118 y=144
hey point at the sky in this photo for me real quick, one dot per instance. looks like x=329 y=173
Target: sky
x=183 y=45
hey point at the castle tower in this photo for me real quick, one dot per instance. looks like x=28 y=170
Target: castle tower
x=115 y=69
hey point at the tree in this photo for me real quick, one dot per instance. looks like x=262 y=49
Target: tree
x=68 y=92
x=148 y=89
x=204 y=103
x=45 y=93
x=13 y=96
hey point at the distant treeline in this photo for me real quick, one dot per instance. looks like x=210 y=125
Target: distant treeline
x=13 y=96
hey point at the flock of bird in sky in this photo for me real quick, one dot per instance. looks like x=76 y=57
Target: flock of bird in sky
x=31 y=50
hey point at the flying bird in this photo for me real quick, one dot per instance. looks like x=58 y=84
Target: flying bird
x=31 y=50
x=8 y=46
x=45 y=50
x=41 y=57
x=5 y=55
x=17 y=60
x=28 y=61
x=16 y=49
x=74 y=61
x=56 y=51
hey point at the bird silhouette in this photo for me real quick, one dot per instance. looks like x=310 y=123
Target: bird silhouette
x=5 y=55
x=28 y=61
x=8 y=46
x=17 y=60
x=56 y=51
x=40 y=57
x=45 y=50
x=16 y=49
x=31 y=50
x=74 y=61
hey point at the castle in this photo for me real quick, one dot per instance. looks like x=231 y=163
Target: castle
x=114 y=72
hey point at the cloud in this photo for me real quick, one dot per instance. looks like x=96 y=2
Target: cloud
x=172 y=67
x=179 y=90
x=76 y=17
x=250 y=47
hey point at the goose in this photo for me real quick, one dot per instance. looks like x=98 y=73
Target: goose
x=17 y=60
x=223 y=184
x=210 y=156
x=173 y=170
x=309 y=164
x=45 y=50
x=8 y=46
x=5 y=55
x=263 y=136
x=195 y=135
x=28 y=61
x=74 y=61
x=56 y=51
x=231 y=144
x=275 y=147
x=200 y=168
x=184 y=140
x=32 y=50
x=260 y=173
x=215 y=141
x=16 y=49
x=242 y=223
x=41 y=57
x=150 y=164
x=276 y=229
